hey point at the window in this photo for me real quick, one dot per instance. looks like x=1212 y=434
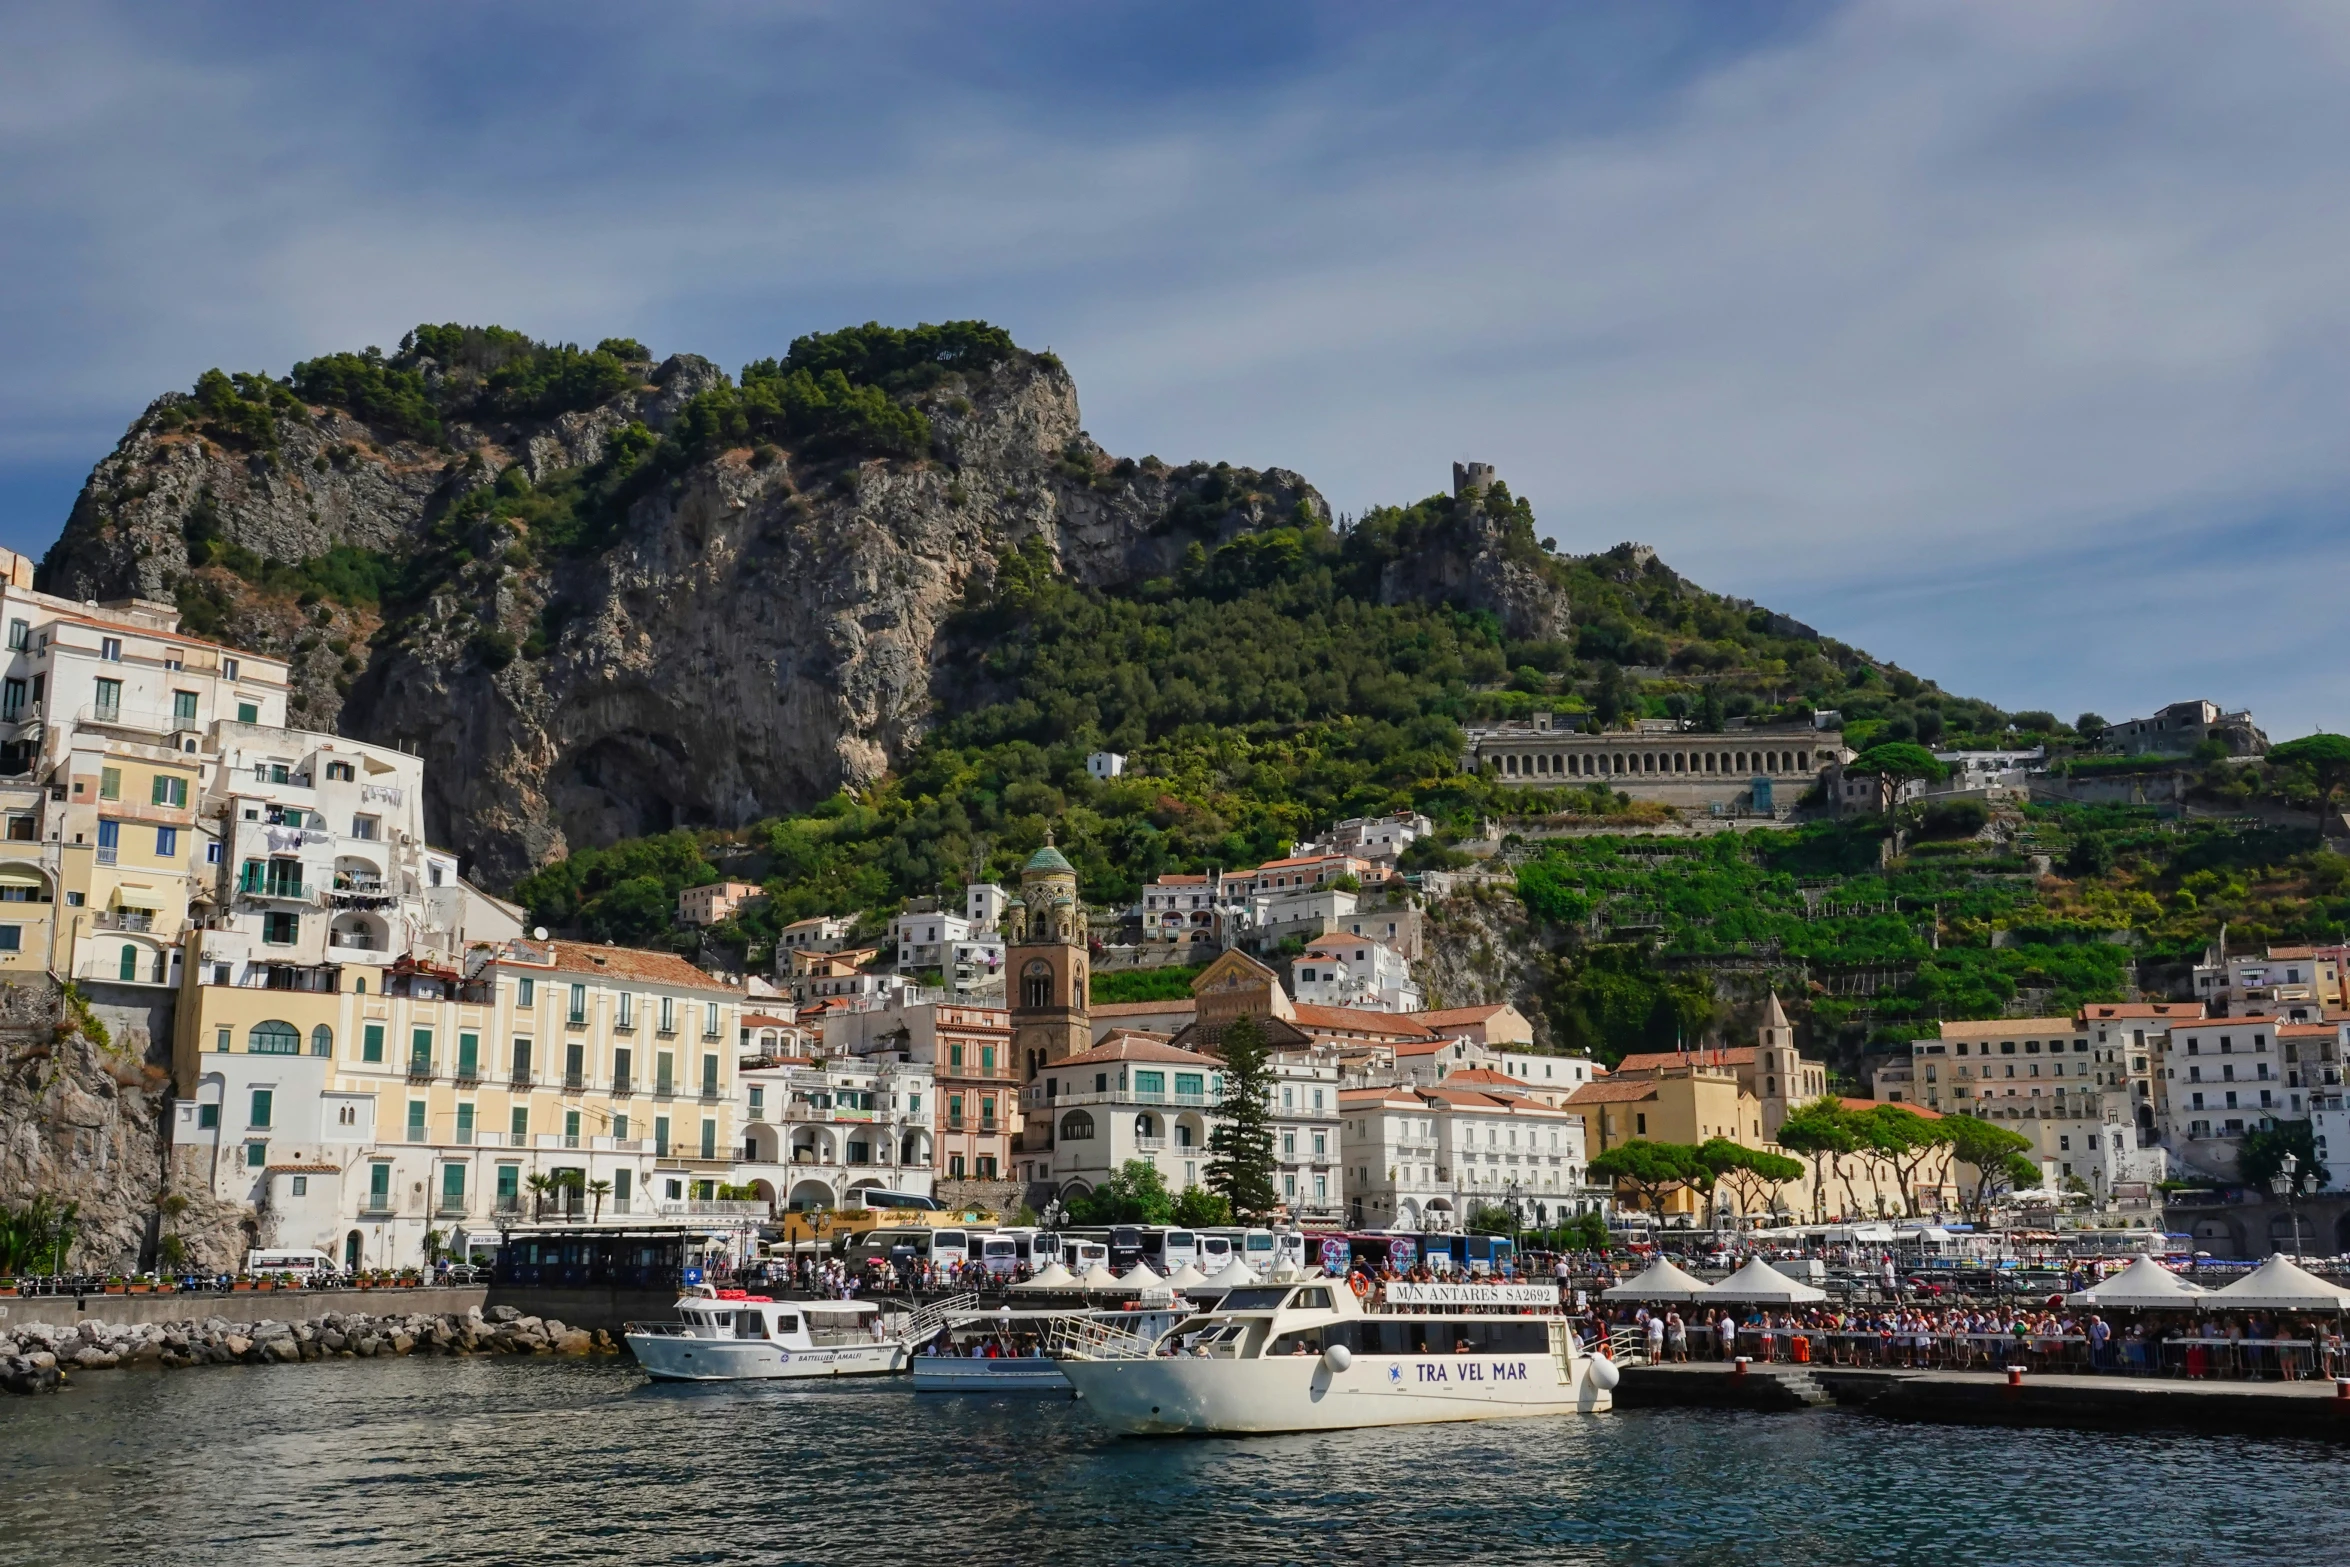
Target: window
x=709 y=1077
x=709 y=1139
x=322 y=1041
x=661 y=1136
x=11 y=938
x=571 y=1128
x=420 y=1047
x=274 y=1039
x=109 y=703
x=11 y=699
x=110 y=649
x=452 y=1186
x=468 y=1055
x=167 y=842
x=247 y=712
x=987 y=1060
x=20 y=635
x=340 y=772
x=626 y=1011
x=1149 y=1082
x=379 y=1186
x=416 y=1120
x=256 y=1155
x=954 y=1055
x=364 y=828
x=579 y=1003
x=668 y=1015
x=522 y=1060
x=371 y=1042
x=664 y=1073
x=1076 y=1126
x=709 y=1020
x=1187 y=1083
x=526 y=992
x=620 y=1128
x=109 y=783
x=169 y=790
x=208 y=1117
x=281 y=930
x=465 y=1123
x=262 y=1099
x=518 y=1125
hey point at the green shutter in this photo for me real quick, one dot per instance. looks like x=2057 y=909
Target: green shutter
x=371 y=1044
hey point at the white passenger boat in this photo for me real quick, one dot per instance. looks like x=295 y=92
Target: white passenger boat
x=725 y=1336
x=1308 y=1357
x=1011 y=1351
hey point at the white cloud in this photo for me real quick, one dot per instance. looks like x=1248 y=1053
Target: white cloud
x=1966 y=332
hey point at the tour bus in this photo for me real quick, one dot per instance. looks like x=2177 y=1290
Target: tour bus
x=1260 y=1249
x=1005 y=1252
x=1169 y=1250
x=1078 y=1253
x=1468 y=1253
x=941 y=1247
x=1215 y=1252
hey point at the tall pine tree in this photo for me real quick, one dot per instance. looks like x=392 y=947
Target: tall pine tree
x=1240 y=1154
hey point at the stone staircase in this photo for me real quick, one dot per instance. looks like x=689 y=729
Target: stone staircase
x=1799 y=1383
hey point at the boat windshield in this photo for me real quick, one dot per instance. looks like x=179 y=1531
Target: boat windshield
x=1256 y=1299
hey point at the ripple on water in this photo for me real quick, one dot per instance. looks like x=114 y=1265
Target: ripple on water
x=427 y=1461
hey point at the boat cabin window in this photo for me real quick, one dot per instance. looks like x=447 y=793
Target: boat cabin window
x=750 y=1324
x=1426 y=1336
x=1311 y=1300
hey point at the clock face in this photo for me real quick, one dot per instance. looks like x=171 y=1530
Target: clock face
x=1038 y=968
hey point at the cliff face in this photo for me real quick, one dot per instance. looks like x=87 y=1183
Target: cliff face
x=755 y=632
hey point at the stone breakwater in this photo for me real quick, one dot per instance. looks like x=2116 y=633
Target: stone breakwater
x=37 y=1357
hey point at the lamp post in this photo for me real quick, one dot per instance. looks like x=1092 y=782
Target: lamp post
x=2287 y=1184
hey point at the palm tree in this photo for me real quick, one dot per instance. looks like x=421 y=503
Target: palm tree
x=599 y=1190
x=540 y=1186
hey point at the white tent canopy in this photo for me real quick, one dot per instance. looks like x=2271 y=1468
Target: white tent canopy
x=1098 y=1277
x=1232 y=1275
x=1051 y=1277
x=1762 y=1284
x=1660 y=1280
x=2281 y=1285
x=1140 y=1277
x=1186 y=1277
x=2145 y=1285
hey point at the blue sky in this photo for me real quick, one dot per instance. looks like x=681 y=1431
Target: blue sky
x=2005 y=340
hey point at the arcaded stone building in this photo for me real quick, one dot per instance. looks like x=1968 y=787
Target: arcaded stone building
x=1660 y=761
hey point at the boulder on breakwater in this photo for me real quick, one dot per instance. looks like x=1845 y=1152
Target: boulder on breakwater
x=37 y=1357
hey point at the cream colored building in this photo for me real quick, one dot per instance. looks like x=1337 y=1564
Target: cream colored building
x=358 y=1106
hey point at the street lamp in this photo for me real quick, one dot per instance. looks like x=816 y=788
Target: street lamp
x=2287 y=1184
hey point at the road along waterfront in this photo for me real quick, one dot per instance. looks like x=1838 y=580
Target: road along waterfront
x=546 y=1461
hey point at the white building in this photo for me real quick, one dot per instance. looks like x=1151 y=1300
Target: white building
x=1105 y=764
x=983 y=905
x=1126 y=1099
x=1380 y=838
x=1426 y=1158
x=1182 y=908
x=2051 y=1080
x=2298 y=983
x=816 y=1134
x=823 y=933
x=1353 y=971
x=1307 y=1171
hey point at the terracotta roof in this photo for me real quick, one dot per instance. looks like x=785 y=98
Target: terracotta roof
x=1358 y=1097
x=1920 y=1111
x=1181 y=881
x=303 y=1169
x=1129 y=1047
x=2146 y=1009
x=2305 y=1030
x=1473 y=1099
x=1298 y=859
x=1473 y=1075
x=767 y=1020
x=1613 y=1093
x=1143 y=1008
x=2009 y=1026
x=652 y=968
x=2240 y=1020
x=1378 y=1025
x=1659 y=1060
x=1438 y=1020
x=2276 y=953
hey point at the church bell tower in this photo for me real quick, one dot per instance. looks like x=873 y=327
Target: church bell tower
x=1045 y=965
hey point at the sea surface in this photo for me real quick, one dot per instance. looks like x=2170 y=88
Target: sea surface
x=502 y=1461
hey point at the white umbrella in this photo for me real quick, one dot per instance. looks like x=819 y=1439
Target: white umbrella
x=1139 y=1277
x=1660 y=1280
x=2145 y=1285
x=1185 y=1277
x=2281 y=1285
x=1763 y=1284
x=1099 y=1277
x=1052 y=1276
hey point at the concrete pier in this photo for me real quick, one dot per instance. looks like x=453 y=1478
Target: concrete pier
x=2288 y=1409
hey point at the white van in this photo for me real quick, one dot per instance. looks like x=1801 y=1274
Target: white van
x=1077 y=1255
x=302 y=1260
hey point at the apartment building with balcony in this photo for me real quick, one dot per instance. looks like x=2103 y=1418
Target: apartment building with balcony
x=1303 y=1099
x=817 y=1134
x=105 y=713
x=1128 y=1098
x=534 y=1079
x=968 y=1051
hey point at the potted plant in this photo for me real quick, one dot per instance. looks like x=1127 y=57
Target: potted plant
x=243 y=1281
x=115 y=1284
x=141 y=1286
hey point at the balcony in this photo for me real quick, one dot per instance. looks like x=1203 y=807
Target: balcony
x=468 y=1077
x=451 y=1207
x=376 y=1205
x=1150 y=1145
x=137 y=921
x=621 y=1088
x=420 y=1069
x=353 y=941
x=573 y=1082
x=520 y=1077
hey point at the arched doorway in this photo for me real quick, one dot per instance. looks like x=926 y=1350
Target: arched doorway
x=809 y=1196
x=352 y=1247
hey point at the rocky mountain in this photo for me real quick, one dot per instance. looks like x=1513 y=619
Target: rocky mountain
x=603 y=596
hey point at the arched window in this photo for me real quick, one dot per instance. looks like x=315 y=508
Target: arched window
x=274 y=1039
x=1146 y=1126
x=1036 y=984
x=322 y=1041
x=1076 y=1127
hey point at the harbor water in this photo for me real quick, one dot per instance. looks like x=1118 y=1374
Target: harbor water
x=500 y=1461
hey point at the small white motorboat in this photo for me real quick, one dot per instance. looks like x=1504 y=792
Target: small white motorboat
x=728 y=1335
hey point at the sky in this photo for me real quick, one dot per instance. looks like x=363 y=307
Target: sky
x=2007 y=341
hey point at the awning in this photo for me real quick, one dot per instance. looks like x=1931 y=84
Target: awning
x=19 y=876
x=1763 y=1284
x=1660 y=1280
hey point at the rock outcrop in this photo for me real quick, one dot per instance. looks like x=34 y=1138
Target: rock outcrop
x=753 y=631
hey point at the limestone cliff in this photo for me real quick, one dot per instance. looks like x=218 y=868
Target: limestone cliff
x=620 y=617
